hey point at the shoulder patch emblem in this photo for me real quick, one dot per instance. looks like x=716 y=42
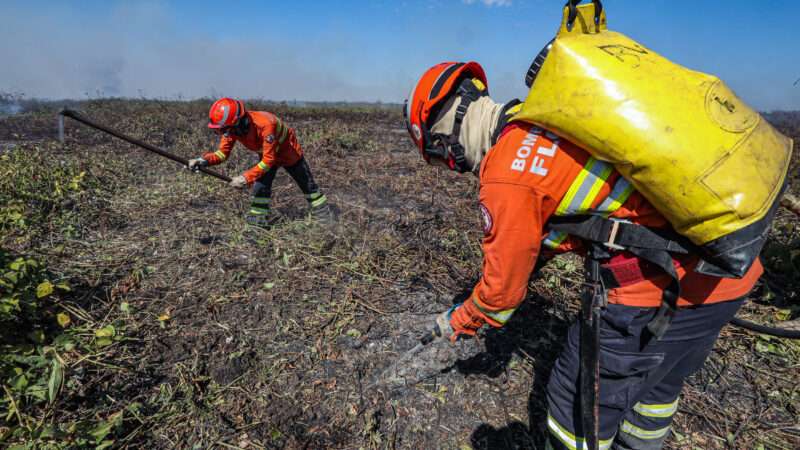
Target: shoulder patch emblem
x=271 y=138
x=486 y=219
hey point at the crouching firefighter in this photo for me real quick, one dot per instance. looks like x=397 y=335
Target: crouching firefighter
x=276 y=143
x=651 y=319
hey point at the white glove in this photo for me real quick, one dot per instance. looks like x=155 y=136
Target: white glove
x=445 y=329
x=239 y=182
x=196 y=164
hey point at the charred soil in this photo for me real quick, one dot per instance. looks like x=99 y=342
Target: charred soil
x=247 y=337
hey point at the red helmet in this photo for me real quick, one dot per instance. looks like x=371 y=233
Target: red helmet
x=427 y=97
x=226 y=113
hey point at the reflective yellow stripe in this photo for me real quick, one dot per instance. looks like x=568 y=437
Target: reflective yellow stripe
x=573 y=189
x=584 y=191
x=585 y=187
x=664 y=410
x=278 y=129
x=283 y=133
x=627 y=427
x=499 y=316
x=595 y=189
x=569 y=439
x=318 y=201
x=554 y=238
x=619 y=194
x=256 y=210
x=263 y=166
x=221 y=155
x=261 y=200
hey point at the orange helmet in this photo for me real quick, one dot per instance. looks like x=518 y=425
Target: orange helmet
x=425 y=101
x=226 y=113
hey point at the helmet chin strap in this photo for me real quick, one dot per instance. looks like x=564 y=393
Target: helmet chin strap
x=240 y=128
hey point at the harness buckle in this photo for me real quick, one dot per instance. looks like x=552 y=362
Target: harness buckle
x=461 y=111
x=593 y=296
x=612 y=236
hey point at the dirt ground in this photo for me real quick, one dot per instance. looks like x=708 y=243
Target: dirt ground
x=242 y=337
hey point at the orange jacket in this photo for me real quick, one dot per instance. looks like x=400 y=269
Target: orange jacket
x=529 y=176
x=268 y=135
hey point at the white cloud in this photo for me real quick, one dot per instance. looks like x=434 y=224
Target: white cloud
x=489 y=3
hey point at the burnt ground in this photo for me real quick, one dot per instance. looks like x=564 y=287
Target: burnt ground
x=242 y=337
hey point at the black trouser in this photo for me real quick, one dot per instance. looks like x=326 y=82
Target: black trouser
x=301 y=173
x=639 y=386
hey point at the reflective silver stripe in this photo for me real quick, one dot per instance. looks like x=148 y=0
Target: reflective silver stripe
x=409 y=102
x=618 y=195
x=629 y=428
x=256 y=210
x=499 y=316
x=318 y=201
x=263 y=166
x=221 y=155
x=224 y=116
x=554 y=238
x=313 y=195
x=583 y=191
x=585 y=188
x=664 y=410
x=569 y=439
x=261 y=200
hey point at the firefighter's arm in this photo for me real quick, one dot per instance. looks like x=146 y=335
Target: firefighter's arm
x=512 y=218
x=222 y=153
x=270 y=146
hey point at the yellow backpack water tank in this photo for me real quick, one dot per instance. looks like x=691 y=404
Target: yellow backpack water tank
x=707 y=161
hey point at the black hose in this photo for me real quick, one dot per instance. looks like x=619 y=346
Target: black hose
x=772 y=331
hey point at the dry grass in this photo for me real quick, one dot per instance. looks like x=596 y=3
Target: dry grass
x=237 y=336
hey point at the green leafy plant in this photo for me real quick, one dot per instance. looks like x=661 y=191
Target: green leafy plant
x=31 y=371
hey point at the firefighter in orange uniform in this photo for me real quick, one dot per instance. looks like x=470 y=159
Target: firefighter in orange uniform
x=266 y=134
x=528 y=177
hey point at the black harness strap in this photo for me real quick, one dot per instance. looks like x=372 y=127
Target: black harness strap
x=615 y=233
x=452 y=139
x=468 y=93
x=502 y=121
x=573 y=12
x=650 y=244
x=593 y=299
x=669 y=299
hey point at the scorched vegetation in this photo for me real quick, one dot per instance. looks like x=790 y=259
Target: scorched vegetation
x=139 y=309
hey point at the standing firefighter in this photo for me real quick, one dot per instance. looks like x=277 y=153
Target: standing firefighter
x=266 y=134
x=530 y=177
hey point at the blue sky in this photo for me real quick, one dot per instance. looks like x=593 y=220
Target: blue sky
x=365 y=51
